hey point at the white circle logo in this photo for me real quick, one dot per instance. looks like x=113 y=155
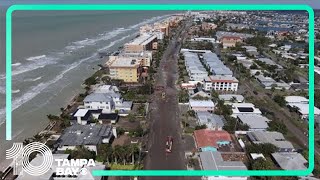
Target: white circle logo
x=46 y=163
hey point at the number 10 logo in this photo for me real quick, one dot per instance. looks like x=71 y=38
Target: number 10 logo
x=20 y=155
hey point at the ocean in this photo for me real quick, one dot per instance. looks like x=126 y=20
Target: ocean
x=53 y=53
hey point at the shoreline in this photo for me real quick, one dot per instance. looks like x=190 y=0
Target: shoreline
x=66 y=106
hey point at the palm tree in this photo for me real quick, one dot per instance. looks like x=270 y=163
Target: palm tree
x=115 y=155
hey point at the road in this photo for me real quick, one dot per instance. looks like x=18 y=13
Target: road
x=164 y=117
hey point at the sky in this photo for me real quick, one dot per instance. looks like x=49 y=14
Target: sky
x=313 y=3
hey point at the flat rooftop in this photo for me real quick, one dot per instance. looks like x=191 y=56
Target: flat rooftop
x=143 y=39
x=124 y=61
x=213 y=161
x=254 y=121
x=77 y=135
x=275 y=138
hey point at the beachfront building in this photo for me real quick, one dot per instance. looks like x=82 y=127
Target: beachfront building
x=214 y=161
x=220 y=83
x=86 y=116
x=127 y=69
x=211 y=140
x=145 y=42
x=107 y=101
x=85 y=135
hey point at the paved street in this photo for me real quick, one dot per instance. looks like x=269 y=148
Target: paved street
x=165 y=119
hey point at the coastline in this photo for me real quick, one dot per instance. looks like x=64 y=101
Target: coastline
x=5 y=164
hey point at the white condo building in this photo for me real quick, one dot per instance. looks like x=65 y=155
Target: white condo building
x=220 y=83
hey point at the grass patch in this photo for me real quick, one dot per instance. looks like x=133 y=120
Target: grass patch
x=125 y=167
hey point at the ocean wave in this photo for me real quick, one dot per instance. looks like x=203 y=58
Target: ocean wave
x=113 y=43
x=15 y=91
x=146 y=21
x=34 y=58
x=35 y=90
x=33 y=66
x=16 y=64
x=74 y=47
x=2 y=90
x=85 y=42
x=33 y=79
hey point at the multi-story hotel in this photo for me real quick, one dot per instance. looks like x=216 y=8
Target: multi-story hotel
x=124 y=68
x=145 y=42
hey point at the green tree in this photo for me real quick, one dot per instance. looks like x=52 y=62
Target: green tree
x=105 y=152
x=90 y=81
x=265 y=148
x=81 y=152
x=131 y=117
x=279 y=100
x=254 y=66
x=203 y=126
x=261 y=164
x=223 y=109
x=183 y=96
x=277 y=126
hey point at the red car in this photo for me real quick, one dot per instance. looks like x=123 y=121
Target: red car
x=169 y=144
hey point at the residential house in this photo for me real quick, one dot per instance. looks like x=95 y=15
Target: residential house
x=201 y=105
x=231 y=98
x=269 y=83
x=89 y=136
x=275 y=138
x=212 y=121
x=255 y=122
x=243 y=108
x=290 y=160
x=211 y=140
x=106 y=99
x=214 y=161
x=301 y=105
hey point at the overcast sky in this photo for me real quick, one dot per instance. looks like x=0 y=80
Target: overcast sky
x=313 y=3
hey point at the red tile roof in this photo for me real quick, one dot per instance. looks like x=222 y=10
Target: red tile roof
x=207 y=137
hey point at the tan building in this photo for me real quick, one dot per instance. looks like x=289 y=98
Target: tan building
x=144 y=57
x=142 y=43
x=124 y=68
x=230 y=41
